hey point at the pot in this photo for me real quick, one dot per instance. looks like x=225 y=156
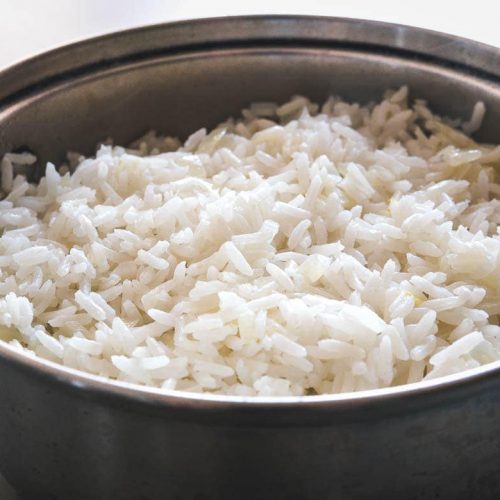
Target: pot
x=69 y=435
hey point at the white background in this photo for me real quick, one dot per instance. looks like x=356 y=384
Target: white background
x=31 y=26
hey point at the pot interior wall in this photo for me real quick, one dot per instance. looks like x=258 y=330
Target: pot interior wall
x=178 y=94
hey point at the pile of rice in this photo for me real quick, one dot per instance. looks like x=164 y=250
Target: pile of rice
x=297 y=250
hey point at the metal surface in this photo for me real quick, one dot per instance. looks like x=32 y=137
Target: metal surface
x=64 y=434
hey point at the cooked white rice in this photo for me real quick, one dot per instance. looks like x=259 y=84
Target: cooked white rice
x=295 y=251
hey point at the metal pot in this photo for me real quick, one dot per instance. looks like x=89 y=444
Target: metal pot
x=68 y=435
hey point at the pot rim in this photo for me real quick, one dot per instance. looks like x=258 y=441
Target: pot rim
x=68 y=61
x=103 y=386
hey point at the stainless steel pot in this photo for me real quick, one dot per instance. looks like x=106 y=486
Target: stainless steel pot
x=67 y=435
